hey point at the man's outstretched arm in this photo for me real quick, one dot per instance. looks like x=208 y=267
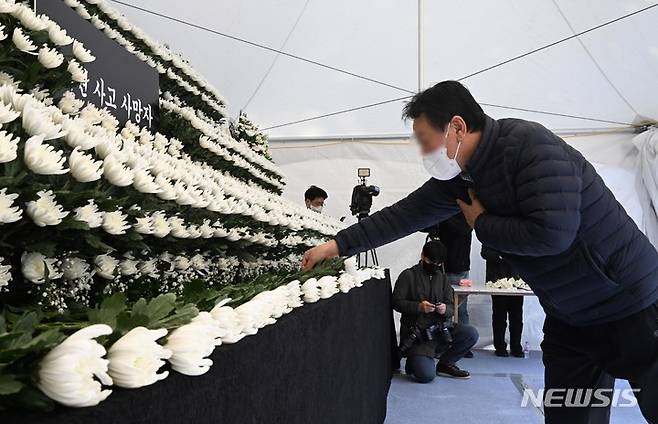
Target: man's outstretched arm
x=432 y=202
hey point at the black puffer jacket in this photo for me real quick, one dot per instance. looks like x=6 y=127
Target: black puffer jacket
x=548 y=213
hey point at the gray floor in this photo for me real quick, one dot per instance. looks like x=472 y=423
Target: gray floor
x=491 y=395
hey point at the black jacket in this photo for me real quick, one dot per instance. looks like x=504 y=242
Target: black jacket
x=455 y=234
x=497 y=267
x=412 y=287
x=548 y=213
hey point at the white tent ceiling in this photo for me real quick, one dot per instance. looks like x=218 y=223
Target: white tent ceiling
x=377 y=39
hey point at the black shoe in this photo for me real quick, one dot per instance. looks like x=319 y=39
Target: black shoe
x=451 y=370
x=468 y=354
x=501 y=353
x=518 y=354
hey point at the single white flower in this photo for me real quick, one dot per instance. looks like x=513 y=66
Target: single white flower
x=8 y=147
x=105 y=266
x=36 y=122
x=177 y=226
x=128 y=267
x=7 y=113
x=115 y=222
x=136 y=358
x=29 y=19
x=35 y=266
x=58 y=35
x=7 y=6
x=70 y=373
x=89 y=213
x=69 y=104
x=328 y=286
x=5 y=274
x=50 y=58
x=311 y=290
x=45 y=210
x=191 y=343
x=22 y=41
x=82 y=54
x=228 y=321
x=160 y=224
x=74 y=268
x=115 y=172
x=149 y=268
x=143 y=182
x=144 y=225
x=77 y=71
x=181 y=262
x=8 y=212
x=83 y=167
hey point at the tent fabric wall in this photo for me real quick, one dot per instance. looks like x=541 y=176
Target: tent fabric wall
x=397 y=169
x=647 y=180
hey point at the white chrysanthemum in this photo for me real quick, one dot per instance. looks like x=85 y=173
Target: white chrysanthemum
x=115 y=222
x=7 y=113
x=115 y=172
x=160 y=224
x=22 y=41
x=5 y=274
x=50 y=58
x=8 y=212
x=136 y=358
x=45 y=210
x=192 y=343
x=8 y=147
x=42 y=158
x=82 y=54
x=105 y=266
x=74 y=268
x=36 y=121
x=69 y=104
x=7 y=6
x=35 y=266
x=58 y=35
x=83 y=167
x=74 y=372
x=77 y=71
x=143 y=182
x=89 y=213
x=128 y=267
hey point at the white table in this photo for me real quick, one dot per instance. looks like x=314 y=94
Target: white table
x=465 y=291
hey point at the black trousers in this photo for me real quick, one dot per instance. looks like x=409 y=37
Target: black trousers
x=502 y=307
x=591 y=357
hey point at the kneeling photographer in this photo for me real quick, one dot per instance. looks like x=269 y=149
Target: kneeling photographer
x=424 y=297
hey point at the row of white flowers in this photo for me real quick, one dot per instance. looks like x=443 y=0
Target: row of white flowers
x=78 y=372
x=508 y=284
x=151 y=164
x=213 y=98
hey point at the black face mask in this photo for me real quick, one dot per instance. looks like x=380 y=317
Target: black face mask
x=430 y=268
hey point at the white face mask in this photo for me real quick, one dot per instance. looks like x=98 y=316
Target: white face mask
x=317 y=209
x=439 y=165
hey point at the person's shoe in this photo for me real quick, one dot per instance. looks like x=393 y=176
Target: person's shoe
x=501 y=353
x=468 y=354
x=452 y=371
x=518 y=354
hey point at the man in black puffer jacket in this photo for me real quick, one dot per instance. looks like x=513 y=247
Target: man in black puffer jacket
x=538 y=202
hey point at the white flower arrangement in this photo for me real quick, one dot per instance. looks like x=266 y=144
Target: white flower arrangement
x=508 y=284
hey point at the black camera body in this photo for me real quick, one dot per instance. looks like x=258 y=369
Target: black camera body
x=438 y=332
x=362 y=195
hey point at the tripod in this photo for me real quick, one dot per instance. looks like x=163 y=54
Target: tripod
x=372 y=252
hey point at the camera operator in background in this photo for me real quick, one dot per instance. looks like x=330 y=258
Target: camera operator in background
x=424 y=297
x=314 y=198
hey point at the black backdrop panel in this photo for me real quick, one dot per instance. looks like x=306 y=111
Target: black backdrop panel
x=327 y=362
x=118 y=81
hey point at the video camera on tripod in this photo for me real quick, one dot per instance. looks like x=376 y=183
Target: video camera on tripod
x=362 y=195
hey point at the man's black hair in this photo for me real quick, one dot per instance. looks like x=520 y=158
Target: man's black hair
x=314 y=192
x=443 y=101
x=435 y=251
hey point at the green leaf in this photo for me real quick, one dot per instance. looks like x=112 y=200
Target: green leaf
x=109 y=309
x=9 y=385
x=161 y=306
x=26 y=323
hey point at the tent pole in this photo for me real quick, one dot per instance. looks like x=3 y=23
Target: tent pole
x=420 y=45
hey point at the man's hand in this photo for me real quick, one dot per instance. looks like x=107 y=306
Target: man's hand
x=319 y=253
x=426 y=307
x=441 y=308
x=472 y=211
